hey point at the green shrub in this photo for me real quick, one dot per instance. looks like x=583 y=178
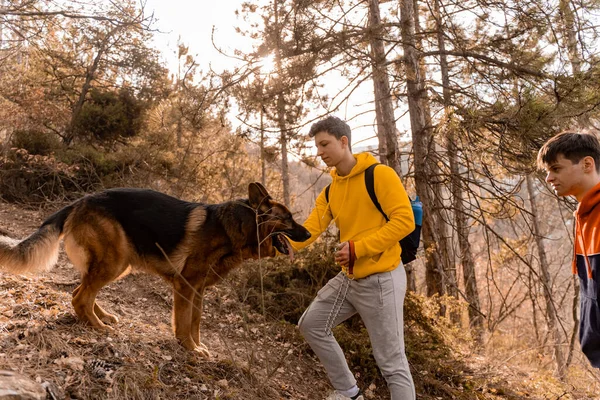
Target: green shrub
x=108 y=116
x=35 y=142
x=289 y=290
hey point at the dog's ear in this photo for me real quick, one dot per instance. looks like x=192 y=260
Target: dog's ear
x=258 y=195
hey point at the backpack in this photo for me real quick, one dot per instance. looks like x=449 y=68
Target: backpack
x=410 y=243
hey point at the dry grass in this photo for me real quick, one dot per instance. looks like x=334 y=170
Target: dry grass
x=40 y=337
x=254 y=356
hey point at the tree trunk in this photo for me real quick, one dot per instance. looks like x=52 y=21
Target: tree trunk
x=575 y=314
x=422 y=138
x=87 y=84
x=384 y=109
x=180 y=128
x=476 y=319
x=546 y=282
x=283 y=140
x=447 y=267
x=1 y=26
x=531 y=284
x=570 y=34
x=460 y=217
x=263 y=171
x=179 y=131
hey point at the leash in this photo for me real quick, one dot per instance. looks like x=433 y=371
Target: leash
x=337 y=304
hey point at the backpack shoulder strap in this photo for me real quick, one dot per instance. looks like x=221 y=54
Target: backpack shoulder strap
x=327 y=192
x=370 y=184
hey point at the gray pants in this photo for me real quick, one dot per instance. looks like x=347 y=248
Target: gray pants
x=379 y=300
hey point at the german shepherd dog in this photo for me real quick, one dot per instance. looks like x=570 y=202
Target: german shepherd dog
x=190 y=245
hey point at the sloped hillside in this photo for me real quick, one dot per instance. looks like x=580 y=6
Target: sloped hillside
x=253 y=357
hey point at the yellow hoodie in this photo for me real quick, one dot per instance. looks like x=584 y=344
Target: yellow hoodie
x=375 y=240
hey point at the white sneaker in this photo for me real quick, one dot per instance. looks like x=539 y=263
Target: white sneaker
x=337 y=396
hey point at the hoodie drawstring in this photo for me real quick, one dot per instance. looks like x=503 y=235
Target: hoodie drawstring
x=337 y=304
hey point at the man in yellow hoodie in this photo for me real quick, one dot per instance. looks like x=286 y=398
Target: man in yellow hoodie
x=372 y=280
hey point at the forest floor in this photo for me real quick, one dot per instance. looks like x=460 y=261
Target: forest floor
x=251 y=357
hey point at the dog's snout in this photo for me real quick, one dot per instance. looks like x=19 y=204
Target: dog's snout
x=302 y=233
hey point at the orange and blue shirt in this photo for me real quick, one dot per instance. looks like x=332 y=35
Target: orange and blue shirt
x=586 y=264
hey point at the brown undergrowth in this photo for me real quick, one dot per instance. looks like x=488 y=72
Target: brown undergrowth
x=249 y=326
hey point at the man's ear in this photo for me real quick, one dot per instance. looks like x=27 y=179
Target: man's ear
x=344 y=140
x=589 y=165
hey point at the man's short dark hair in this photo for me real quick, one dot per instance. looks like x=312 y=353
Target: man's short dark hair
x=332 y=125
x=573 y=146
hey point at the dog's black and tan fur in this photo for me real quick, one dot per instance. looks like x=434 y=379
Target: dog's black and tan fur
x=191 y=245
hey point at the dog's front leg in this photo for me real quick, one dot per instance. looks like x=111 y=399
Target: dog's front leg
x=196 y=316
x=183 y=296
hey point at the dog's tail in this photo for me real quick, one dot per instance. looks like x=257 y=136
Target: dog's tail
x=37 y=253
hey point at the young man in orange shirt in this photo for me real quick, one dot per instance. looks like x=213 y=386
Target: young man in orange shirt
x=572 y=163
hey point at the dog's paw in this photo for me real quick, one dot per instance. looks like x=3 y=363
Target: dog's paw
x=99 y=325
x=188 y=343
x=110 y=319
x=202 y=350
x=108 y=329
